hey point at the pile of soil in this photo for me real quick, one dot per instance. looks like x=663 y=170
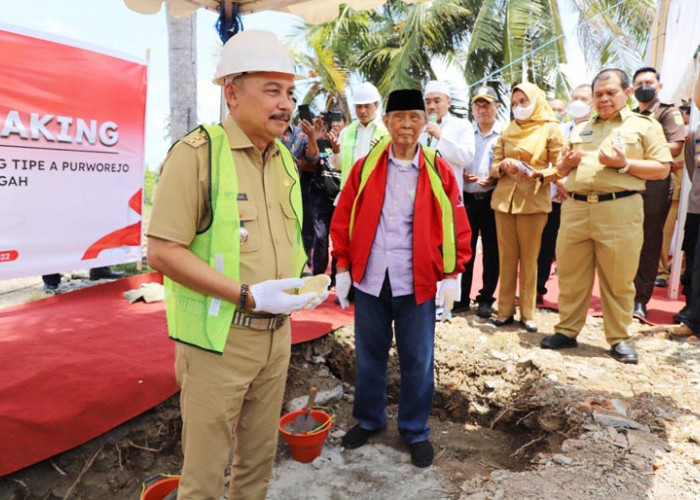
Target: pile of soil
x=510 y=421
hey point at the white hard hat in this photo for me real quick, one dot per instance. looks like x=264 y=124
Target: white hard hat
x=437 y=86
x=365 y=93
x=250 y=51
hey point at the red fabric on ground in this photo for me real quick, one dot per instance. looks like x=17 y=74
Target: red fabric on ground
x=660 y=308
x=76 y=365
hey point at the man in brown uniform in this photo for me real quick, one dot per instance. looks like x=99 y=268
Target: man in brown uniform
x=607 y=160
x=657 y=195
x=235 y=393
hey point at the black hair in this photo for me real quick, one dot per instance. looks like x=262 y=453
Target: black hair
x=605 y=74
x=647 y=69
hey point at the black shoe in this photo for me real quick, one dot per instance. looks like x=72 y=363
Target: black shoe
x=558 y=341
x=529 y=325
x=356 y=437
x=640 y=311
x=460 y=307
x=661 y=282
x=624 y=353
x=422 y=453
x=508 y=321
x=678 y=317
x=540 y=300
x=105 y=273
x=483 y=310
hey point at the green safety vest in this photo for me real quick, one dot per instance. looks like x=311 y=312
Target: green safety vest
x=347 y=147
x=202 y=320
x=449 y=238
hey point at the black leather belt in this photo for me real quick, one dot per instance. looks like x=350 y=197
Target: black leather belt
x=482 y=195
x=595 y=198
x=259 y=321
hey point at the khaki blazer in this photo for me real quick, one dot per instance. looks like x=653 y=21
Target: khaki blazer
x=526 y=197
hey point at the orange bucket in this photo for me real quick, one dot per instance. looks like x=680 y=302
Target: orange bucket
x=160 y=489
x=308 y=445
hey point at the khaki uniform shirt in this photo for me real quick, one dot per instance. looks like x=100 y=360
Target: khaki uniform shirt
x=526 y=197
x=644 y=140
x=182 y=207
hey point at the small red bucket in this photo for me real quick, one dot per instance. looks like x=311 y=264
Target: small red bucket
x=159 y=489
x=308 y=445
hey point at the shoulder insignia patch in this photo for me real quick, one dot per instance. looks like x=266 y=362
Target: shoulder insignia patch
x=195 y=139
x=678 y=118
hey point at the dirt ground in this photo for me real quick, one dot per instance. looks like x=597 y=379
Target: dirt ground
x=510 y=421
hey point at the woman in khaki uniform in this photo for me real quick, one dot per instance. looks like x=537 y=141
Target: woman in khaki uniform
x=523 y=162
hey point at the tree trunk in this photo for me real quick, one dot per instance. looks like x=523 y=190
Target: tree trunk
x=182 y=71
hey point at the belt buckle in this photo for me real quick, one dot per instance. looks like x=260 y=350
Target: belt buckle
x=592 y=198
x=277 y=322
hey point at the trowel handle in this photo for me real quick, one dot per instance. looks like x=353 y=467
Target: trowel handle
x=312 y=397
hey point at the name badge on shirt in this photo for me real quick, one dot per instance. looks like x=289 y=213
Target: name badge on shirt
x=586 y=132
x=242 y=197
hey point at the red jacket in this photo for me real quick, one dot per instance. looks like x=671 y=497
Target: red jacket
x=427 y=224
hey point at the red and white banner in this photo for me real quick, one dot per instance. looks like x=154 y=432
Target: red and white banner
x=71 y=155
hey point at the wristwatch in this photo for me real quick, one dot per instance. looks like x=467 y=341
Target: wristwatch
x=243 y=298
x=624 y=169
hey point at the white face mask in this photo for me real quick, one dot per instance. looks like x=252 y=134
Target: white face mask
x=521 y=113
x=579 y=109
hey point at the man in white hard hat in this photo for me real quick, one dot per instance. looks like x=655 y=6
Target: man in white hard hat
x=227 y=214
x=356 y=139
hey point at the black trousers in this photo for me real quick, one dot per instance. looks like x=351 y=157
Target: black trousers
x=547 y=248
x=321 y=222
x=482 y=221
x=307 y=228
x=691 y=315
x=690 y=238
x=657 y=201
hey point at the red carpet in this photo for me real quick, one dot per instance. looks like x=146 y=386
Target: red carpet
x=76 y=365
x=660 y=308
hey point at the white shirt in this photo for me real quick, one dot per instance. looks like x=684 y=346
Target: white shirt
x=484 y=144
x=362 y=142
x=456 y=144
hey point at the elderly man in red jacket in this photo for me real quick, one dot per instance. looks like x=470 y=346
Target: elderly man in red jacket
x=399 y=229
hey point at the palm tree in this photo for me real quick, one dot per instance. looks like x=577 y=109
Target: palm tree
x=393 y=46
x=616 y=32
x=506 y=32
x=182 y=70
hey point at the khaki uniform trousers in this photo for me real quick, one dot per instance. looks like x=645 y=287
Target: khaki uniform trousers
x=234 y=397
x=519 y=238
x=607 y=237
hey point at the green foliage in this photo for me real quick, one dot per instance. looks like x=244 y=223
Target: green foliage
x=393 y=46
x=149 y=186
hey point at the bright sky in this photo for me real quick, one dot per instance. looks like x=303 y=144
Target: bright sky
x=110 y=24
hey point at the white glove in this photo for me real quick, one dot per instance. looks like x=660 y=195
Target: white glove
x=270 y=296
x=317 y=301
x=343 y=281
x=446 y=296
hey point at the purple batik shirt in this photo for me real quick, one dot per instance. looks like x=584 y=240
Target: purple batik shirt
x=392 y=248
